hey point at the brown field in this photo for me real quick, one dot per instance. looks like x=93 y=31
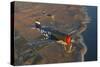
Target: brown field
x=66 y=18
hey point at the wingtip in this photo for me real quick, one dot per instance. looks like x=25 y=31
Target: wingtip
x=37 y=22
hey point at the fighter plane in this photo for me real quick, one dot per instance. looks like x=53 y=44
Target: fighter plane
x=65 y=39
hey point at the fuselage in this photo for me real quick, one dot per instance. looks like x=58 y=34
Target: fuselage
x=56 y=35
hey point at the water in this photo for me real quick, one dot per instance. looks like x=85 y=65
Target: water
x=90 y=35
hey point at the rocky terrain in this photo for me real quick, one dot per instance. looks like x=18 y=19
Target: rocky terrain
x=30 y=49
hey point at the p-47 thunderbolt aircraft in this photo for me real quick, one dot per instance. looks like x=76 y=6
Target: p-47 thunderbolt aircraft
x=59 y=37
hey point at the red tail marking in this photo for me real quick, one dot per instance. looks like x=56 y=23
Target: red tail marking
x=68 y=39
